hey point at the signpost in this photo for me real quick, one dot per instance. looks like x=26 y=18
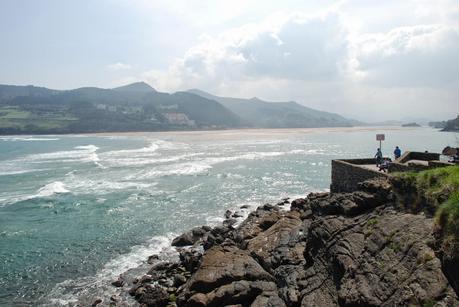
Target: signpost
x=380 y=138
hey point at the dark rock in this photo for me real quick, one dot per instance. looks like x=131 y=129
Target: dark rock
x=237 y=215
x=229 y=222
x=146 y=278
x=206 y=228
x=228 y=214
x=190 y=259
x=268 y=207
x=179 y=280
x=119 y=282
x=154 y=296
x=114 y=298
x=184 y=239
x=190 y=237
x=133 y=290
x=244 y=207
x=275 y=242
x=299 y=204
x=340 y=249
x=96 y=302
x=220 y=267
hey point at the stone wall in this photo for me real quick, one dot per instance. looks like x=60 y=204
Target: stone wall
x=398 y=167
x=347 y=174
x=417 y=155
x=395 y=167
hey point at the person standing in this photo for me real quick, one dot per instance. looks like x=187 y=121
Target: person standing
x=397 y=152
x=379 y=157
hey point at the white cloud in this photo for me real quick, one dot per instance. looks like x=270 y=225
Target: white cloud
x=353 y=58
x=422 y=55
x=118 y=66
x=284 y=46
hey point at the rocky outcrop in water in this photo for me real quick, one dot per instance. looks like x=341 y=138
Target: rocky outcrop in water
x=352 y=249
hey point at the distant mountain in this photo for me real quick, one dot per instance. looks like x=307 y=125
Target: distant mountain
x=263 y=114
x=411 y=125
x=135 y=107
x=452 y=125
x=139 y=107
x=139 y=87
x=11 y=91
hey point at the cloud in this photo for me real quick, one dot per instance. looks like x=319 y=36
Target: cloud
x=422 y=55
x=284 y=46
x=341 y=60
x=118 y=66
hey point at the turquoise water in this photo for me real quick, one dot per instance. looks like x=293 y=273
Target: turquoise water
x=77 y=210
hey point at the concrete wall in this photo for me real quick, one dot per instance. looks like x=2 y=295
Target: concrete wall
x=417 y=155
x=399 y=167
x=347 y=174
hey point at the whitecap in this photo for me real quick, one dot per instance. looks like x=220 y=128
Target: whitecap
x=180 y=169
x=52 y=188
x=27 y=139
x=80 y=154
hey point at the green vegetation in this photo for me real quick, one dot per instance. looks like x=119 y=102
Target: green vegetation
x=373 y=221
x=136 y=107
x=439 y=188
x=429 y=303
x=14 y=117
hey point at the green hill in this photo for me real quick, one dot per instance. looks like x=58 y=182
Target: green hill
x=139 y=107
x=263 y=114
x=135 y=107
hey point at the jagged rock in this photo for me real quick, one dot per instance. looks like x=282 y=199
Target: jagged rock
x=119 y=282
x=228 y=214
x=96 y=302
x=255 y=223
x=179 y=280
x=216 y=236
x=153 y=296
x=267 y=245
x=229 y=222
x=184 y=239
x=146 y=278
x=238 y=292
x=190 y=259
x=343 y=249
x=267 y=300
x=190 y=237
x=220 y=267
x=237 y=215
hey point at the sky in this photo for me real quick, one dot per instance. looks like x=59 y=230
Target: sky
x=364 y=59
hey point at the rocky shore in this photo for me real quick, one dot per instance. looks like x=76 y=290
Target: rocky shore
x=345 y=249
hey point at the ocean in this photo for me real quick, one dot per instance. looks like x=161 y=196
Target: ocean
x=78 y=210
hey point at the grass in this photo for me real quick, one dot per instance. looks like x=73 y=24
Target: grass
x=440 y=188
x=14 y=117
x=442 y=185
x=372 y=222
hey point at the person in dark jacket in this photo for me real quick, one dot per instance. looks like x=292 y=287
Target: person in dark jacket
x=397 y=152
x=378 y=157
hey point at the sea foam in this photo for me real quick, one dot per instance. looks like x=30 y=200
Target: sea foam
x=52 y=188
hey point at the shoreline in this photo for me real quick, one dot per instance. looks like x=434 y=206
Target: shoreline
x=229 y=131
x=311 y=251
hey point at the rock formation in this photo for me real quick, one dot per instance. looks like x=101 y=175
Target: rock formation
x=347 y=249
